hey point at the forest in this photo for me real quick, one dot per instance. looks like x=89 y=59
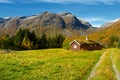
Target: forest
x=26 y=40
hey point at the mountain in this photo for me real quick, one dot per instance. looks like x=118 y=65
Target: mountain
x=105 y=33
x=46 y=22
x=2 y=20
x=112 y=29
x=73 y=22
x=107 y=24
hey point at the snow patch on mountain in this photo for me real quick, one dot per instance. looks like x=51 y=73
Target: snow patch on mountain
x=31 y=17
x=66 y=14
x=7 y=17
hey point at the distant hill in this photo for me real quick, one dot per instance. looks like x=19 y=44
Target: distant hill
x=47 y=22
x=107 y=35
x=109 y=29
x=109 y=23
x=103 y=34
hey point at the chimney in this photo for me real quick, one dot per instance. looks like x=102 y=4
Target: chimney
x=87 y=38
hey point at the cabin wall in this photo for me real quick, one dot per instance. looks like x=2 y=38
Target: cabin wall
x=72 y=46
x=91 y=47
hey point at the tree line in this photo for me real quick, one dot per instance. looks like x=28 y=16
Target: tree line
x=113 y=41
x=25 y=39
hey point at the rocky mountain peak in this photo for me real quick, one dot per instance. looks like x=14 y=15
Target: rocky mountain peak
x=2 y=20
x=64 y=23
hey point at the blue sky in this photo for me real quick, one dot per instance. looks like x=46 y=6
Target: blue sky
x=96 y=12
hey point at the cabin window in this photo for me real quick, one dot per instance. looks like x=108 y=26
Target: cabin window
x=75 y=47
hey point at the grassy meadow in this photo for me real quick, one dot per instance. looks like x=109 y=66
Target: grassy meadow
x=58 y=64
x=116 y=57
x=50 y=64
x=105 y=70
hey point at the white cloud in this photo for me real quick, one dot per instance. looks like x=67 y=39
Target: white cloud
x=109 y=2
x=96 y=25
x=115 y=20
x=96 y=21
x=5 y=1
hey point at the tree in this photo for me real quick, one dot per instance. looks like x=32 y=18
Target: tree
x=7 y=43
x=19 y=37
x=50 y=42
x=59 y=39
x=42 y=44
x=24 y=39
x=33 y=38
x=118 y=43
x=113 y=40
x=26 y=42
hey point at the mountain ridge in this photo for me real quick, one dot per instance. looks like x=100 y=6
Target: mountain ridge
x=46 y=22
x=104 y=35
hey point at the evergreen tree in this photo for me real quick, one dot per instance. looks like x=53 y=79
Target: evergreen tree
x=61 y=40
x=58 y=41
x=27 y=42
x=50 y=42
x=19 y=37
x=23 y=36
x=24 y=39
x=33 y=38
x=43 y=42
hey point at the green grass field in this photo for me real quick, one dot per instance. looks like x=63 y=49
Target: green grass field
x=51 y=64
x=105 y=70
x=116 y=57
x=55 y=64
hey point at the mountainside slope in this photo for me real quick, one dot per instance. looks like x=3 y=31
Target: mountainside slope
x=109 y=23
x=46 y=22
x=104 y=34
x=109 y=30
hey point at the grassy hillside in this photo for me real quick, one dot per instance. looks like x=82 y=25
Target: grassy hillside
x=102 y=35
x=107 y=31
x=52 y=64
